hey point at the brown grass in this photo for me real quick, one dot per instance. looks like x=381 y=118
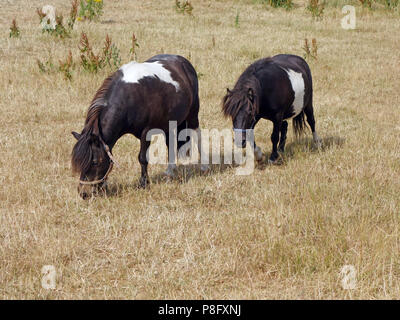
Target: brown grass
x=283 y=232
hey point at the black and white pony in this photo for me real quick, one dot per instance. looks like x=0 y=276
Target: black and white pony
x=135 y=99
x=277 y=89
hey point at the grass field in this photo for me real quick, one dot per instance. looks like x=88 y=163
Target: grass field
x=283 y=232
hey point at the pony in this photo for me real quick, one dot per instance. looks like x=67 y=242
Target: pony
x=135 y=99
x=276 y=88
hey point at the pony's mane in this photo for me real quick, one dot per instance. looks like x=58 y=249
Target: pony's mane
x=82 y=151
x=238 y=97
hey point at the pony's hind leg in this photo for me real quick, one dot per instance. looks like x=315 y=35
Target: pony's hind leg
x=144 y=145
x=203 y=158
x=309 y=111
x=282 y=141
x=275 y=139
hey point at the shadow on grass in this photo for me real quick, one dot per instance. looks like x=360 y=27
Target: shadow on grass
x=307 y=144
x=302 y=145
x=186 y=172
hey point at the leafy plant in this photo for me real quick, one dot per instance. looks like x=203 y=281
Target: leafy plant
x=184 y=7
x=14 y=30
x=287 y=4
x=316 y=8
x=391 y=4
x=91 y=9
x=45 y=67
x=65 y=67
x=237 y=20
x=366 y=3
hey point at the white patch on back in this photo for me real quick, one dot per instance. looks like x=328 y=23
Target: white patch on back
x=297 y=82
x=134 y=71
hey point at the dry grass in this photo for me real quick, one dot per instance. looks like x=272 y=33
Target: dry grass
x=283 y=232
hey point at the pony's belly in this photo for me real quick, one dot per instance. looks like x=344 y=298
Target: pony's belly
x=293 y=113
x=298 y=87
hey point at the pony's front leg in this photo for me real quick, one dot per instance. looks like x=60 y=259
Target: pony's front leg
x=171 y=169
x=258 y=155
x=144 y=145
x=275 y=139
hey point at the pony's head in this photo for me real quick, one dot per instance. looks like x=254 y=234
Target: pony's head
x=91 y=161
x=91 y=157
x=242 y=105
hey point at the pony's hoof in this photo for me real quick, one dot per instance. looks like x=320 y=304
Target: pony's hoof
x=204 y=168
x=317 y=140
x=171 y=171
x=143 y=183
x=318 y=144
x=273 y=161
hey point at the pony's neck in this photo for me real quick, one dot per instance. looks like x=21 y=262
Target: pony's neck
x=110 y=131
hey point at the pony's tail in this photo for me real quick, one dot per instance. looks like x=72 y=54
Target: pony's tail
x=299 y=124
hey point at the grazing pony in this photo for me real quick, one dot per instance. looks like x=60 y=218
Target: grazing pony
x=277 y=89
x=135 y=99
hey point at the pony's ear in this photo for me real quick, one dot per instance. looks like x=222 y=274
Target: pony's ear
x=250 y=94
x=228 y=91
x=76 y=135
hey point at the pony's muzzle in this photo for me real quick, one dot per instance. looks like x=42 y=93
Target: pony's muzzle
x=88 y=191
x=85 y=192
